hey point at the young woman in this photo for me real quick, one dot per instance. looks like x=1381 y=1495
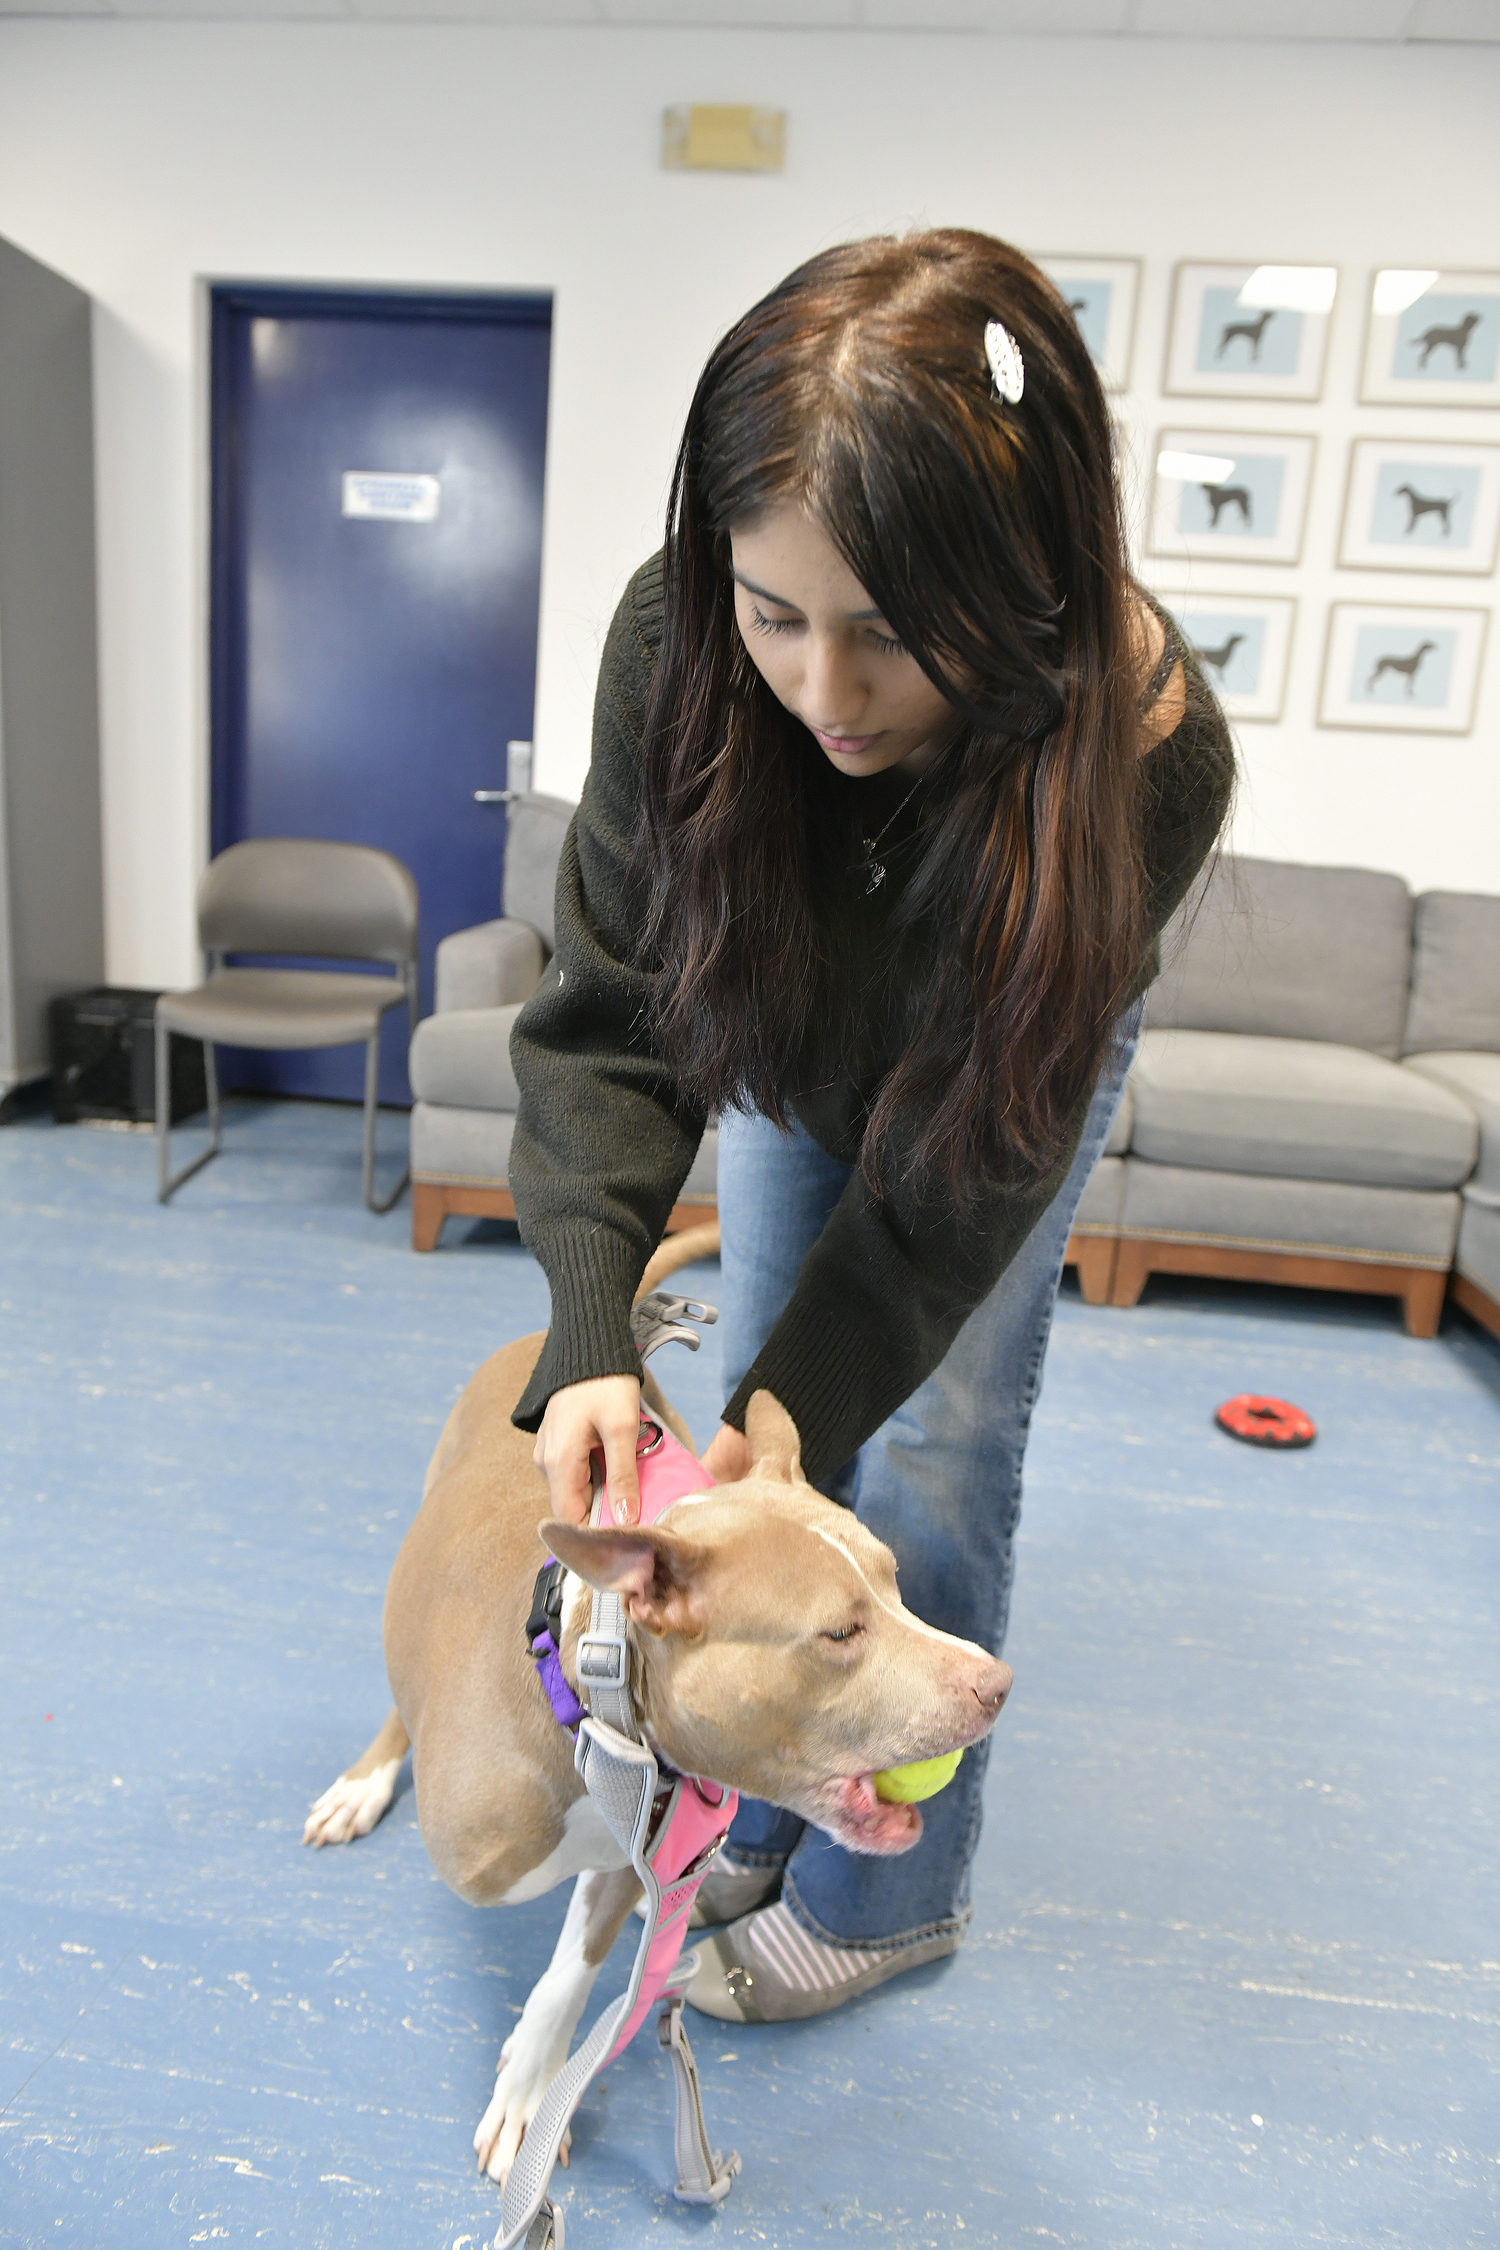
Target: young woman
x=896 y=777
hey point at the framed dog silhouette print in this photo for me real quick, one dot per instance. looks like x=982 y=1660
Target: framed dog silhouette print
x=1230 y=494
x=1400 y=670
x=1101 y=295
x=1243 y=643
x=1249 y=331
x=1418 y=506
x=1434 y=338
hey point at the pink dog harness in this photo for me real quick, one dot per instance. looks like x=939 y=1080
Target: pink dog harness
x=694 y=1816
x=670 y=1825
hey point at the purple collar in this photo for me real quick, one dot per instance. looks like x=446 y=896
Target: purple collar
x=566 y=1708
x=543 y=1642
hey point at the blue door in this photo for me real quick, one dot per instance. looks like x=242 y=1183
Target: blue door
x=377 y=466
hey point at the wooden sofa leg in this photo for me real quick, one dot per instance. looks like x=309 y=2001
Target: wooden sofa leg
x=1422 y=1302
x=429 y=1208
x=1094 y=1256
x=1132 y=1271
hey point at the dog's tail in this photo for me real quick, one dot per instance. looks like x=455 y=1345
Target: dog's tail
x=678 y=1250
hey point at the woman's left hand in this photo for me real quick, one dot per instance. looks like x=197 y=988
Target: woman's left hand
x=728 y=1458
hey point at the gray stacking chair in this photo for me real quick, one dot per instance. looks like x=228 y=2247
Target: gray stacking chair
x=342 y=902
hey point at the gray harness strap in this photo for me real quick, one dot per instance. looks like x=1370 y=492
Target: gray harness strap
x=620 y=1773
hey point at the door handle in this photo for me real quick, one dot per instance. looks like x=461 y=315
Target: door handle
x=495 y=796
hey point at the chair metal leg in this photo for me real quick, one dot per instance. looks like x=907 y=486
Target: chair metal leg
x=378 y=1204
x=166 y=1182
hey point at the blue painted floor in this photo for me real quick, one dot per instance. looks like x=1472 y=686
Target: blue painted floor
x=1234 y=1976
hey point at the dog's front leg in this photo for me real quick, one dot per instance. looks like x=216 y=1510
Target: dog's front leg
x=538 y=2047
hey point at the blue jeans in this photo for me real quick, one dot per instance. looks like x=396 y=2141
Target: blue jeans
x=939 y=1482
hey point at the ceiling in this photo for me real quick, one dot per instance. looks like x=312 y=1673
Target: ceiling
x=1381 y=20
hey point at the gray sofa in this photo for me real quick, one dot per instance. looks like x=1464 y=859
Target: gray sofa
x=1316 y=1100
x=465 y=1094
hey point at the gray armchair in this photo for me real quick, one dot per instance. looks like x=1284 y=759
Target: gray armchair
x=465 y=1091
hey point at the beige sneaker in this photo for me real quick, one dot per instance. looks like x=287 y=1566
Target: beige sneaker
x=731 y=1889
x=727 y=1891
x=765 y=1968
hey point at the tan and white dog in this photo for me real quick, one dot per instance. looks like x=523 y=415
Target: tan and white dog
x=771 y=1652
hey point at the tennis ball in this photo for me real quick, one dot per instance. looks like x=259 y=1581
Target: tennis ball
x=908 y=1785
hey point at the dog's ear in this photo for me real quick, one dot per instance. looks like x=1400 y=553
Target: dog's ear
x=656 y=1574
x=771 y=1434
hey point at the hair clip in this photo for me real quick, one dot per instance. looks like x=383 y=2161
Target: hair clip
x=1007 y=367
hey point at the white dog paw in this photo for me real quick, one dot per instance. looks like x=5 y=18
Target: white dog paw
x=528 y=2065
x=351 y=1807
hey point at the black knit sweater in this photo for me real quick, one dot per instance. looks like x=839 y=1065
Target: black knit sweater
x=604 y=1140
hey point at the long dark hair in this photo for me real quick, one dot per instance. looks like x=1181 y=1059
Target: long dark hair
x=989 y=536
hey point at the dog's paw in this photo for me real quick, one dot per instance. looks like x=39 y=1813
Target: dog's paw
x=529 y=2061
x=352 y=1806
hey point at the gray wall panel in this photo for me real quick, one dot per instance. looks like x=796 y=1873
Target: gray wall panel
x=49 y=696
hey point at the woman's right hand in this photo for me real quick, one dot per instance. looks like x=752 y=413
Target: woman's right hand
x=603 y=1413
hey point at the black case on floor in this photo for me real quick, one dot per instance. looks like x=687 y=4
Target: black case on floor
x=104 y=1059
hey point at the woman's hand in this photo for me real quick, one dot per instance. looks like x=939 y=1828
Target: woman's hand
x=603 y=1413
x=728 y=1458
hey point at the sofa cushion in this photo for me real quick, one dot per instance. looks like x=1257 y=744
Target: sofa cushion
x=462 y=1059
x=466 y=1147
x=489 y=966
x=1455 y=973
x=1291 y=953
x=1296 y=1109
x=1476 y=1080
x=1237 y=1210
x=1099 y=1205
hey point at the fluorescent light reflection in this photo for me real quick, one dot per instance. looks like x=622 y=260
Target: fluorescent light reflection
x=1400 y=286
x=1194 y=468
x=1308 y=289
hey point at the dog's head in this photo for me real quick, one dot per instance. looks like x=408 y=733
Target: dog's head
x=776 y=1653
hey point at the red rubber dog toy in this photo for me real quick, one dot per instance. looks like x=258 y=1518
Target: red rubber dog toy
x=1266 y=1421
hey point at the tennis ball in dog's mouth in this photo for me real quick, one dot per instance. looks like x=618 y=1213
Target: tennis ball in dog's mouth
x=908 y=1785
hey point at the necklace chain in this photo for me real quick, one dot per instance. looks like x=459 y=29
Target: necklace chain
x=873 y=867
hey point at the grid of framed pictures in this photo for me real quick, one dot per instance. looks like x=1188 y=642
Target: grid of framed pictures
x=1420 y=506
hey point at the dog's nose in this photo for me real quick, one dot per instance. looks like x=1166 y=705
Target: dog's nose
x=993 y=1685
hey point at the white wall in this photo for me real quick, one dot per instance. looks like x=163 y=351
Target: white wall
x=135 y=156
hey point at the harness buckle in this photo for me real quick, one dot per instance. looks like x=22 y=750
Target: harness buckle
x=603 y=1660
x=664 y=1318
x=546 y=1605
